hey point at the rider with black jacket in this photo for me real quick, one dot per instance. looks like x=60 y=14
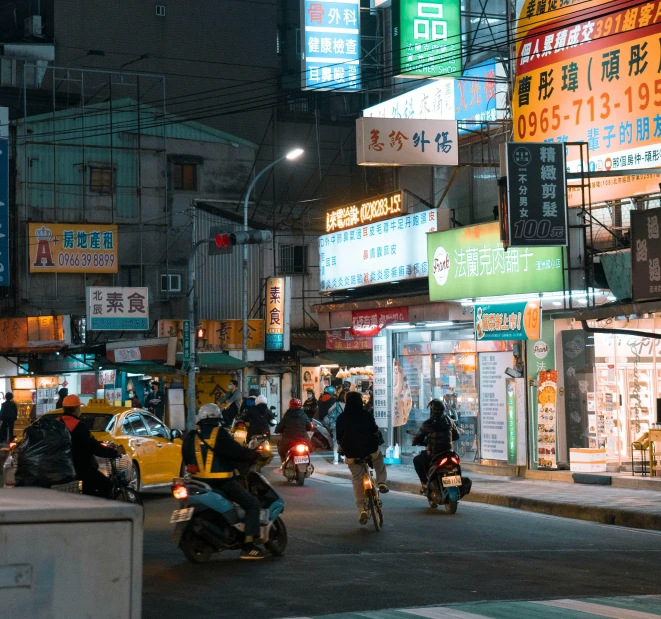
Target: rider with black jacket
x=438 y=434
x=294 y=427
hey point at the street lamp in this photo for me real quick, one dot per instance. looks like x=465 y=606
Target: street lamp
x=290 y=156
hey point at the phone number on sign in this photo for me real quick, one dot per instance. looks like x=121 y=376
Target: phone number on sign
x=86 y=259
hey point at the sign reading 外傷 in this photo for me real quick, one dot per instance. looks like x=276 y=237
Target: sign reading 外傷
x=277 y=313
x=470 y=262
x=426 y=38
x=645 y=254
x=330 y=38
x=388 y=251
x=361 y=213
x=519 y=320
x=117 y=309
x=4 y=212
x=537 y=204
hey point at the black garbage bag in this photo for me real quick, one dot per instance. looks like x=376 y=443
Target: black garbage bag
x=466 y=485
x=43 y=457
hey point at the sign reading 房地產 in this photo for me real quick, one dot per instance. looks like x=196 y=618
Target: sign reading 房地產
x=388 y=251
x=360 y=213
x=646 y=254
x=426 y=38
x=4 y=212
x=219 y=334
x=537 y=204
x=590 y=71
x=330 y=38
x=72 y=248
x=470 y=262
x=345 y=339
x=399 y=141
x=117 y=309
x=519 y=320
x=368 y=323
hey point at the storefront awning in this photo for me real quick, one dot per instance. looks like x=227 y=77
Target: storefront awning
x=342 y=358
x=140 y=367
x=217 y=361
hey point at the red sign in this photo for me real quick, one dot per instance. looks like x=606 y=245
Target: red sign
x=368 y=323
x=344 y=339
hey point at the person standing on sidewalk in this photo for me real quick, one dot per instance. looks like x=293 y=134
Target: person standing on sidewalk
x=8 y=415
x=358 y=437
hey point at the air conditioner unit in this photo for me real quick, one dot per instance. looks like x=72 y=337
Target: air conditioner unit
x=32 y=26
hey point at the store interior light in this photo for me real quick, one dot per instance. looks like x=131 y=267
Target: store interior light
x=557 y=303
x=611 y=298
x=399 y=326
x=350 y=288
x=331 y=365
x=447 y=323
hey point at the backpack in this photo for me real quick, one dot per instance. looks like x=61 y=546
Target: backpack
x=331 y=418
x=44 y=456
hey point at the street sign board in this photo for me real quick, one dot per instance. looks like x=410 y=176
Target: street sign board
x=186 y=345
x=117 y=309
x=645 y=254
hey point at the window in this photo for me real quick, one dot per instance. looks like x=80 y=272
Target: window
x=134 y=426
x=293 y=259
x=184 y=176
x=101 y=180
x=170 y=282
x=160 y=10
x=155 y=427
x=129 y=275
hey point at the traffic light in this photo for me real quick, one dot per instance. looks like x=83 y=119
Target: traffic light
x=251 y=237
x=222 y=242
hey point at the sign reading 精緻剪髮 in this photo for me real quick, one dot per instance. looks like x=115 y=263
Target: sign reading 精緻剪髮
x=117 y=309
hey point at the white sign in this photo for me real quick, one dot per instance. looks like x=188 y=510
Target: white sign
x=113 y=395
x=117 y=309
x=127 y=354
x=493 y=412
x=380 y=367
x=433 y=101
x=387 y=251
x=540 y=349
x=406 y=141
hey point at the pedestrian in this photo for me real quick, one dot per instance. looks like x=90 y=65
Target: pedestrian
x=63 y=393
x=311 y=405
x=358 y=437
x=156 y=401
x=233 y=398
x=326 y=402
x=8 y=415
x=135 y=402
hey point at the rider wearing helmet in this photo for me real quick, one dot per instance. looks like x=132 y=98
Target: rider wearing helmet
x=257 y=417
x=294 y=427
x=326 y=402
x=437 y=434
x=218 y=471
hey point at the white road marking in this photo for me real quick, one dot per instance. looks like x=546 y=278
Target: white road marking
x=441 y=613
x=598 y=609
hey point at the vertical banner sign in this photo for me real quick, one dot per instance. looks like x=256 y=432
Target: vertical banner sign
x=186 y=337
x=426 y=38
x=510 y=407
x=493 y=422
x=330 y=38
x=380 y=367
x=277 y=313
x=537 y=202
x=645 y=255
x=4 y=212
x=547 y=418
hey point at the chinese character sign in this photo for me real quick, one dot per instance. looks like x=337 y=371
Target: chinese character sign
x=470 y=262
x=218 y=334
x=645 y=254
x=4 y=212
x=361 y=213
x=520 y=320
x=537 y=203
x=389 y=251
x=331 y=43
x=367 y=323
x=344 y=339
x=432 y=101
x=381 y=387
x=277 y=313
x=480 y=95
x=72 y=248
x=117 y=309
x=426 y=38
x=384 y=141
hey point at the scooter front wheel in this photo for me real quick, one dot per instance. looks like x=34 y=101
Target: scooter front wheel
x=451 y=507
x=277 y=538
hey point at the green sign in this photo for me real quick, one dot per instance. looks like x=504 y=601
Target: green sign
x=426 y=38
x=470 y=262
x=518 y=320
x=510 y=407
x=186 y=347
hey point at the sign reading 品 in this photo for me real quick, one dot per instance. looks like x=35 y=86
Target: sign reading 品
x=360 y=213
x=117 y=309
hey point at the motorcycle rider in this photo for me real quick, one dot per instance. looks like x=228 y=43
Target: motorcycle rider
x=311 y=405
x=250 y=401
x=326 y=402
x=233 y=399
x=358 y=436
x=257 y=417
x=294 y=427
x=218 y=471
x=438 y=434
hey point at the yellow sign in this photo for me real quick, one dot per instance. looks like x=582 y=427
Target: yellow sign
x=31 y=333
x=218 y=334
x=359 y=213
x=72 y=248
x=23 y=382
x=210 y=388
x=592 y=74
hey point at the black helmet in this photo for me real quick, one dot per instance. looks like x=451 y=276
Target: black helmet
x=436 y=407
x=253 y=393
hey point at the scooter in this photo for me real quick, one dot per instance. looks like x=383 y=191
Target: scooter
x=207 y=522
x=321 y=438
x=297 y=465
x=260 y=442
x=445 y=485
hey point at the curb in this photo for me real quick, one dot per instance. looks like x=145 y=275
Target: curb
x=602 y=515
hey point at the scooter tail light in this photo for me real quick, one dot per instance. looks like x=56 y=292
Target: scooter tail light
x=12 y=445
x=180 y=492
x=442 y=462
x=301 y=448
x=454 y=459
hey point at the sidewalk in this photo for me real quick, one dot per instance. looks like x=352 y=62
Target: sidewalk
x=625 y=507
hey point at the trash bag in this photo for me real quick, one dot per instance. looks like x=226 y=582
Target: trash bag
x=466 y=485
x=43 y=457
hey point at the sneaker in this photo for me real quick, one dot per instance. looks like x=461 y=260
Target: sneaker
x=383 y=489
x=423 y=489
x=363 y=517
x=250 y=551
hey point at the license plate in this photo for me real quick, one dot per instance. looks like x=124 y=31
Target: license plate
x=240 y=436
x=452 y=480
x=301 y=460
x=182 y=515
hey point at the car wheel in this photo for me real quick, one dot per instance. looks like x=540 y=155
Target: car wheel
x=136 y=484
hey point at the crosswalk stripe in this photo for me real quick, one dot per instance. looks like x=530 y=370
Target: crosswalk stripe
x=599 y=609
x=442 y=613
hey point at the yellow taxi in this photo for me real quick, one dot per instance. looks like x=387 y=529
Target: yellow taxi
x=154 y=450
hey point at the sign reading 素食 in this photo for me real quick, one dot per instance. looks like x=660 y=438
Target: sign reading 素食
x=471 y=262
x=117 y=309
x=389 y=251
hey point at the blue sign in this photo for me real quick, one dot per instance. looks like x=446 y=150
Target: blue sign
x=119 y=324
x=4 y=212
x=275 y=341
x=475 y=95
x=331 y=44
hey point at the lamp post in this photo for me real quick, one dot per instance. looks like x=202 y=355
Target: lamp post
x=291 y=156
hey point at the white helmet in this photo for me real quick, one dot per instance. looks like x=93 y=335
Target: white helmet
x=207 y=411
x=261 y=400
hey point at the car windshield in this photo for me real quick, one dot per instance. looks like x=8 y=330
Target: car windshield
x=97 y=422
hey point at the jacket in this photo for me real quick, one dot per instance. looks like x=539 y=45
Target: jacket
x=326 y=402
x=311 y=408
x=135 y=403
x=357 y=434
x=9 y=411
x=156 y=403
x=256 y=420
x=294 y=425
x=84 y=447
x=213 y=450
x=438 y=434
x=234 y=399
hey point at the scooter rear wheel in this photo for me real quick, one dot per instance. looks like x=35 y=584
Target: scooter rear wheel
x=196 y=550
x=300 y=478
x=451 y=507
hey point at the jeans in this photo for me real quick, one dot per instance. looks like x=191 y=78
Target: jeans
x=95 y=483
x=358 y=472
x=234 y=491
x=6 y=431
x=422 y=462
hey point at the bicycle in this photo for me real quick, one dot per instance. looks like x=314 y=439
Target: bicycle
x=121 y=488
x=371 y=492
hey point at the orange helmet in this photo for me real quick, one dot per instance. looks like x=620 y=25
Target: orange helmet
x=71 y=400
x=295 y=403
